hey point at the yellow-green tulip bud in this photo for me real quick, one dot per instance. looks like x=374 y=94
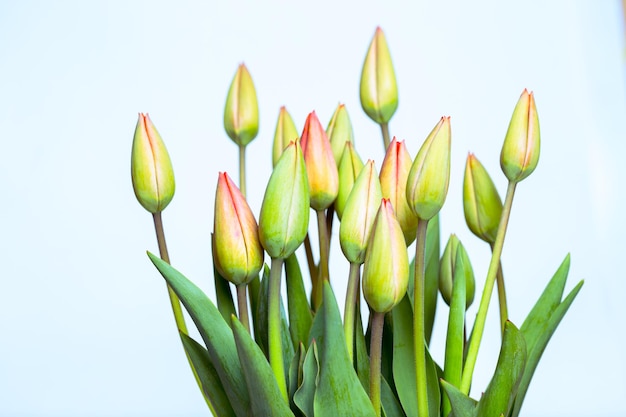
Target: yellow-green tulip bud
x=151 y=168
x=284 y=218
x=349 y=169
x=285 y=133
x=427 y=185
x=320 y=164
x=360 y=213
x=448 y=270
x=237 y=249
x=379 y=92
x=394 y=173
x=386 y=269
x=520 y=152
x=481 y=202
x=339 y=131
x=241 y=113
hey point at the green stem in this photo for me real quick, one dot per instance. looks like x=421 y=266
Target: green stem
x=419 y=335
x=322 y=272
x=481 y=316
x=273 y=319
x=350 y=312
x=242 y=304
x=309 y=258
x=504 y=310
x=384 y=127
x=376 y=346
x=242 y=169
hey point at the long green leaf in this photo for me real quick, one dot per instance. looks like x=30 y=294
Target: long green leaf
x=300 y=316
x=391 y=404
x=260 y=324
x=224 y=297
x=431 y=277
x=462 y=405
x=304 y=397
x=216 y=334
x=296 y=375
x=361 y=359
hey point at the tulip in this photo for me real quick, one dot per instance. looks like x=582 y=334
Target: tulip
x=394 y=173
x=150 y=167
x=285 y=133
x=360 y=213
x=284 y=218
x=448 y=270
x=520 y=152
x=241 y=113
x=339 y=132
x=238 y=251
x=427 y=185
x=349 y=169
x=386 y=269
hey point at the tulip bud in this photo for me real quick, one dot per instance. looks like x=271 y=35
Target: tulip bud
x=285 y=133
x=150 y=167
x=238 y=251
x=520 y=152
x=394 y=173
x=449 y=270
x=481 y=202
x=379 y=93
x=428 y=180
x=284 y=218
x=349 y=169
x=386 y=269
x=360 y=212
x=339 y=132
x=320 y=164
x=241 y=113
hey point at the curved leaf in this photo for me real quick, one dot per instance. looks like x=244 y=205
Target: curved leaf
x=305 y=395
x=300 y=316
x=462 y=405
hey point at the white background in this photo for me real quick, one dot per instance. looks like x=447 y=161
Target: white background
x=85 y=325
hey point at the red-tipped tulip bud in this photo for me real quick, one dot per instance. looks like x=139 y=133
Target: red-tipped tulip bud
x=285 y=133
x=241 y=113
x=284 y=218
x=481 y=202
x=379 y=92
x=150 y=167
x=386 y=269
x=427 y=185
x=320 y=164
x=359 y=214
x=339 y=132
x=451 y=268
x=394 y=173
x=238 y=251
x=349 y=169
x=520 y=152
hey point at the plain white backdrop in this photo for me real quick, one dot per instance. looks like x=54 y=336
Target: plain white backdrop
x=85 y=324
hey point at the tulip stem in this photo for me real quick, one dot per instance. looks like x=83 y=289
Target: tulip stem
x=419 y=341
x=275 y=343
x=242 y=169
x=309 y=258
x=384 y=127
x=504 y=311
x=242 y=304
x=376 y=344
x=350 y=312
x=322 y=272
x=481 y=316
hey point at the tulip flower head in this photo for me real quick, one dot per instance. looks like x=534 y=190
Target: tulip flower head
x=339 y=132
x=349 y=169
x=241 y=113
x=284 y=134
x=449 y=269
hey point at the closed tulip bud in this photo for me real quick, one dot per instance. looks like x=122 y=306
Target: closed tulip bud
x=320 y=164
x=241 y=113
x=359 y=214
x=386 y=269
x=150 y=167
x=349 y=169
x=481 y=202
x=339 y=132
x=520 y=152
x=285 y=133
x=379 y=92
x=284 y=218
x=449 y=270
x=427 y=185
x=394 y=174
x=237 y=249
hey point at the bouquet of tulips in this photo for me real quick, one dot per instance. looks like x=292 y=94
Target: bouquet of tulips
x=262 y=357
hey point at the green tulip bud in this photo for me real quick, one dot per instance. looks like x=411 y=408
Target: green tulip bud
x=150 y=167
x=284 y=218
x=448 y=271
x=339 y=132
x=427 y=185
x=349 y=169
x=237 y=250
x=359 y=214
x=520 y=152
x=386 y=269
x=285 y=133
x=379 y=92
x=241 y=113
x=481 y=202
